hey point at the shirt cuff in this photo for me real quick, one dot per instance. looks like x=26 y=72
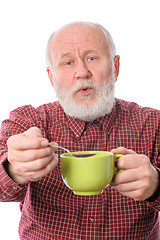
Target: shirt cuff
x=154 y=200
x=10 y=191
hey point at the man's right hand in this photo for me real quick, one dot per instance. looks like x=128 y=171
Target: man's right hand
x=29 y=156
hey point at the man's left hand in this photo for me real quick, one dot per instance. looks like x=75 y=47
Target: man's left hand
x=139 y=180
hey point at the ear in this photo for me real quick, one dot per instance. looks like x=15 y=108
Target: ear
x=50 y=75
x=117 y=64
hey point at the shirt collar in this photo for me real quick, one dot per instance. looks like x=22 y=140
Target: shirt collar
x=77 y=126
x=106 y=122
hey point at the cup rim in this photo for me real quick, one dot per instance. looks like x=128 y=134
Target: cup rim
x=101 y=153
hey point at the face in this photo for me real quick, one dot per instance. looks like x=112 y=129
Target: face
x=82 y=69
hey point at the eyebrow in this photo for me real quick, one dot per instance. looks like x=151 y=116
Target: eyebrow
x=65 y=54
x=84 y=53
x=90 y=51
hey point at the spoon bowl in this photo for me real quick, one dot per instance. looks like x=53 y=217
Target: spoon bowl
x=77 y=155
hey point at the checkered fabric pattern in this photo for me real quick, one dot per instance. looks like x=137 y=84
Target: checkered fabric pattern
x=50 y=210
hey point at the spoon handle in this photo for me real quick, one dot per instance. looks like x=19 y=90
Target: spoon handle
x=56 y=146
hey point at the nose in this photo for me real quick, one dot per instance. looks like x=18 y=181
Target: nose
x=82 y=71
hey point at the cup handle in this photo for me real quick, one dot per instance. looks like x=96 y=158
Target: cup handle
x=115 y=158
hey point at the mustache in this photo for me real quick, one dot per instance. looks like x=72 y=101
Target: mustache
x=84 y=83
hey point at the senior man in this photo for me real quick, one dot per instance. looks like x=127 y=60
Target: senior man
x=83 y=68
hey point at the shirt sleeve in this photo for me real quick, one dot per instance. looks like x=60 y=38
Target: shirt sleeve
x=20 y=120
x=9 y=190
x=154 y=200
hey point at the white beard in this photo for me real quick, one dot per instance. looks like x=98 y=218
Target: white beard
x=103 y=104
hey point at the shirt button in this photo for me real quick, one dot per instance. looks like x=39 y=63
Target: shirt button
x=14 y=188
x=77 y=136
x=91 y=220
x=4 y=196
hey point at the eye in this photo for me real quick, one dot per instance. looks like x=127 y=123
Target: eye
x=91 y=59
x=68 y=63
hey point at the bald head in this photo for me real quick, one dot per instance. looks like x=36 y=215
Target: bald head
x=78 y=28
x=83 y=69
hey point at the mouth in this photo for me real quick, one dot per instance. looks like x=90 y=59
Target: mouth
x=85 y=90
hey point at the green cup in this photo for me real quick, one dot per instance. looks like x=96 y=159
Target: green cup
x=88 y=175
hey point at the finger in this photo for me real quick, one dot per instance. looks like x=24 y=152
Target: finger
x=135 y=190
x=125 y=176
x=29 y=155
x=130 y=186
x=22 y=142
x=136 y=194
x=132 y=161
x=33 y=131
x=122 y=150
x=55 y=144
x=35 y=165
x=37 y=175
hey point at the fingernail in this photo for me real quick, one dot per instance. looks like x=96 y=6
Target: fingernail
x=44 y=143
x=114 y=187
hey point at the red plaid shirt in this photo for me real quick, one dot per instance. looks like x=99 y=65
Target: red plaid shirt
x=50 y=210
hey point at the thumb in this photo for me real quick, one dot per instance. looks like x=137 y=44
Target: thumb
x=33 y=132
x=123 y=150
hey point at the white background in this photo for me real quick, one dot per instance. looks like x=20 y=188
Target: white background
x=24 y=29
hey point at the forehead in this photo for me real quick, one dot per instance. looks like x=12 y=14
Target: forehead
x=78 y=37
